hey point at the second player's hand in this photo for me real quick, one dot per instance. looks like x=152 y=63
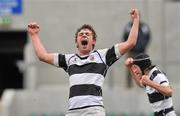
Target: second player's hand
x=145 y=80
x=129 y=62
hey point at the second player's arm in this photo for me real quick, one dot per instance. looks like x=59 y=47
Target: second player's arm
x=135 y=76
x=165 y=90
x=134 y=71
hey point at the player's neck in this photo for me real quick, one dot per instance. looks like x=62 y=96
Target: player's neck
x=84 y=53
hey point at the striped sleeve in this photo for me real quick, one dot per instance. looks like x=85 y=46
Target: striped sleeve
x=162 y=79
x=112 y=55
x=60 y=61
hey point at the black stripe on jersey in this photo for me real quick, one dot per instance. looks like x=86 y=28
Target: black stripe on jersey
x=62 y=61
x=154 y=74
x=163 y=82
x=111 y=56
x=85 y=89
x=164 y=111
x=155 y=97
x=86 y=107
x=97 y=68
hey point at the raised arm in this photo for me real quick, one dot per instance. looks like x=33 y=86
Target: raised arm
x=134 y=70
x=132 y=38
x=33 y=30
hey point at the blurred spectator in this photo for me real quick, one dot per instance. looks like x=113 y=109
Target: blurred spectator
x=143 y=40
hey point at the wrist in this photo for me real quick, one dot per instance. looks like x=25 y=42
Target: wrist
x=33 y=34
x=128 y=65
x=136 y=19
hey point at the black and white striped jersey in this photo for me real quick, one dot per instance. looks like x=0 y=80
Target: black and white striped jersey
x=157 y=100
x=86 y=75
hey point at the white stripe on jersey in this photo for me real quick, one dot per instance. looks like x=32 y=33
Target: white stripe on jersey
x=88 y=100
x=86 y=78
x=160 y=78
x=93 y=58
x=171 y=114
x=163 y=104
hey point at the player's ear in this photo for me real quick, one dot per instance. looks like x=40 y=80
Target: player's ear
x=94 y=42
x=77 y=46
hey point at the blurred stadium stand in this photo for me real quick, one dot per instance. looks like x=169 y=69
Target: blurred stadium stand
x=11 y=51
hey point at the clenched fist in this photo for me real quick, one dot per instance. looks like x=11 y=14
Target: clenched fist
x=33 y=28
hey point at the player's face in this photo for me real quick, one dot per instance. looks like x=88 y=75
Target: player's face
x=136 y=70
x=85 y=41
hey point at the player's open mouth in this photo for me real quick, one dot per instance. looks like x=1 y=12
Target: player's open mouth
x=84 y=42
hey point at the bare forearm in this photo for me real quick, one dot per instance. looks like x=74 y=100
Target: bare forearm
x=135 y=77
x=33 y=30
x=132 y=39
x=40 y=51
x=165 y=90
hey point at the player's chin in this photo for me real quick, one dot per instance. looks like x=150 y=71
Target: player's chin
x=83 y=47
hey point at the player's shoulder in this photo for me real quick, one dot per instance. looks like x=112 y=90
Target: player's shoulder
x=68 y=56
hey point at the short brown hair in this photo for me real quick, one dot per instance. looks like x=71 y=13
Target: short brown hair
x=89 y=27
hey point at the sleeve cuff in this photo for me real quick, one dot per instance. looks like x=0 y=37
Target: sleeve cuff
x=55 y=61
x=118 y=54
